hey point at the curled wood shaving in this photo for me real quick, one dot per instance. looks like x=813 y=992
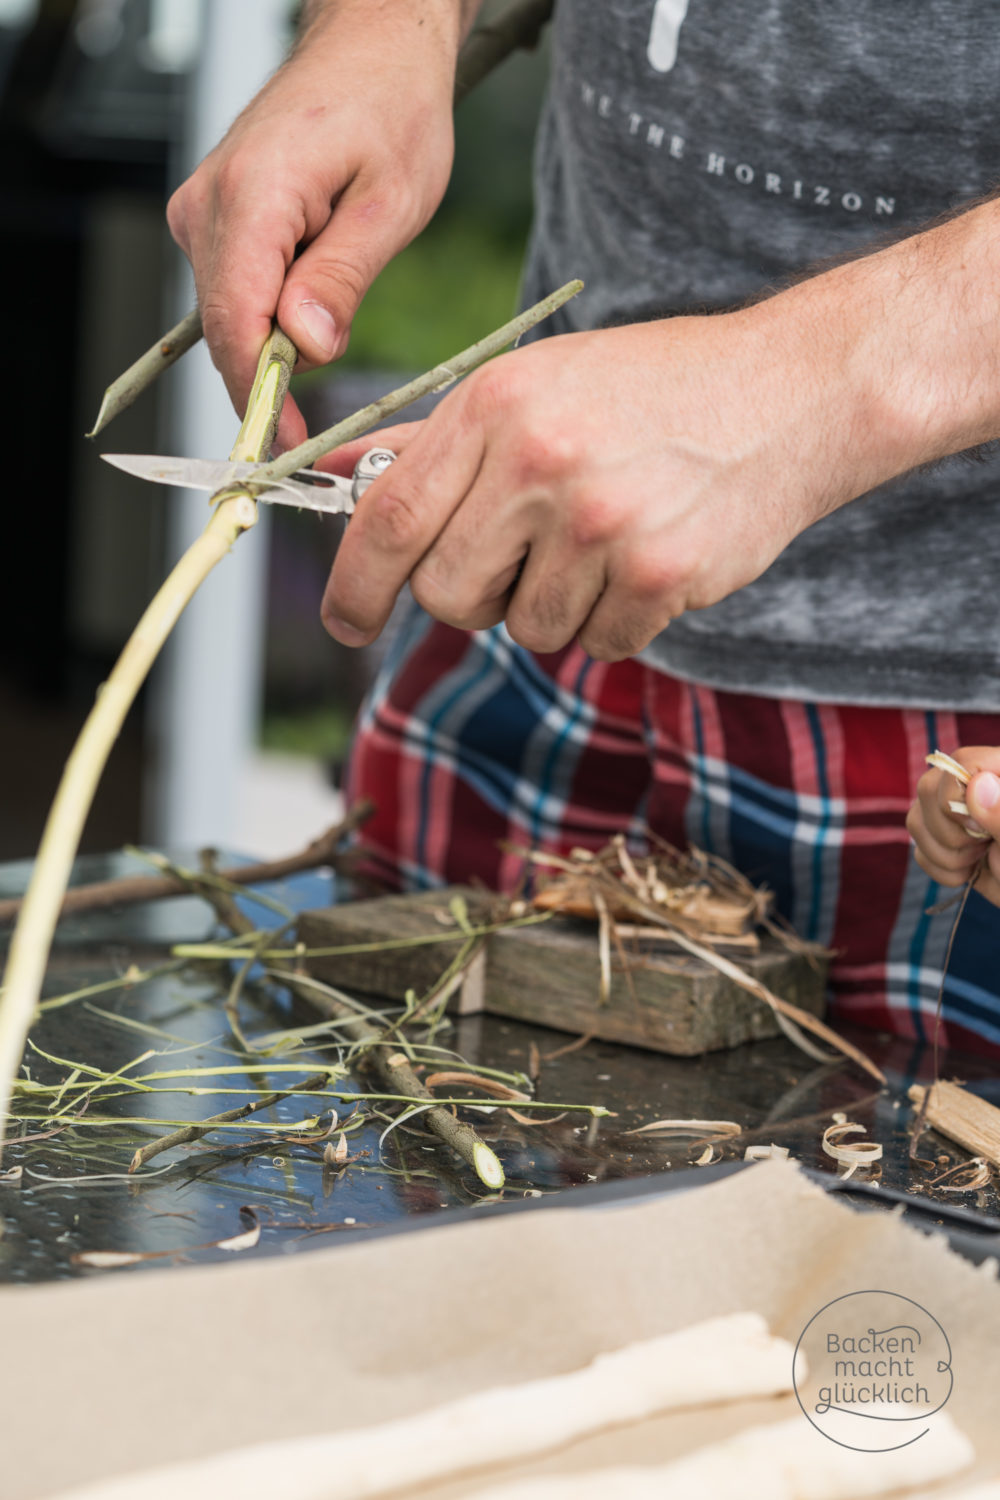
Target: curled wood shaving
x=707 y=1157
x=514 y=1114
x=474 y=1080
x=718 y=1128
x=851 y=1154
x=964 y=1176
x=765 y=1153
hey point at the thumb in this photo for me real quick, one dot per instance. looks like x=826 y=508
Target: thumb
x=326 y=283
x=982 y=798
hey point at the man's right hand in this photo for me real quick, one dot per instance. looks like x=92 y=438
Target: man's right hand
x=333 y=168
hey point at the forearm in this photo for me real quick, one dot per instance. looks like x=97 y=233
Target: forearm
x=899 y=352
x=455 y=18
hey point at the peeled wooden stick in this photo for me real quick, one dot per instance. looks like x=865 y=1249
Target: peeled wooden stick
x=724 y=1359
x=234 y=513
x=963 y=1117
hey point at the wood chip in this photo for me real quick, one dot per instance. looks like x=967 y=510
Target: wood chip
x=963 y=1117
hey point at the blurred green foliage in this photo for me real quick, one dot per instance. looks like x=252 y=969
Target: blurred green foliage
x=323 y=733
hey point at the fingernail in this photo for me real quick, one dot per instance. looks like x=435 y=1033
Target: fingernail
x=987 y=790
x=344 y=633
x=318 y=323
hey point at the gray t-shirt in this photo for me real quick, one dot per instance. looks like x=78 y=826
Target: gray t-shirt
x=692 y=152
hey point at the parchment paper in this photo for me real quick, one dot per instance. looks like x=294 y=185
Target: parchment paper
x=130 y=1371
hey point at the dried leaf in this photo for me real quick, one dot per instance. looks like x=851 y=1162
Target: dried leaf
x=340 y=1154
x=11 y=1177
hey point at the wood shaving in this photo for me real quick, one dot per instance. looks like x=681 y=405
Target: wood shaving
x=765 y=1153
x=718 y=1128
x=476 y=1081
x=964 y=1177
x=850 y=1154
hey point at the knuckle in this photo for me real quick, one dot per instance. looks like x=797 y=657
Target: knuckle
x=593 y=520
x=491 y=391
x=544 y=456
x=230 y=178
x=538 y=629
x=219 y=325
x=396 y=517
x=613 y=641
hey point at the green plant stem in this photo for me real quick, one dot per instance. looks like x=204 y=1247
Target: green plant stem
x=437 y=379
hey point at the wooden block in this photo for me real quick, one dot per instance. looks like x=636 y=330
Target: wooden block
x=550 y=974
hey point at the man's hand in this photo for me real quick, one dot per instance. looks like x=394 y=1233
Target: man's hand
x=595 y=485
x=944 y=845
x=339 y=161
x=599 y=484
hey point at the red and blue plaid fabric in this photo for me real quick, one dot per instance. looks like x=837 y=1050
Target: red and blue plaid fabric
x=469 y=743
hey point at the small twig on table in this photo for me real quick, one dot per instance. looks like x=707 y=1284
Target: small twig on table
x=195 y=1132
x=132 y=888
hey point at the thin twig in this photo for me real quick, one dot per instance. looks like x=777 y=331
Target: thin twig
x=129 y=889
x=437 y=379
x=195 y=1132
x=165 y=352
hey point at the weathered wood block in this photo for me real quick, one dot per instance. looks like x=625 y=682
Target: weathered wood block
x=550 y=974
